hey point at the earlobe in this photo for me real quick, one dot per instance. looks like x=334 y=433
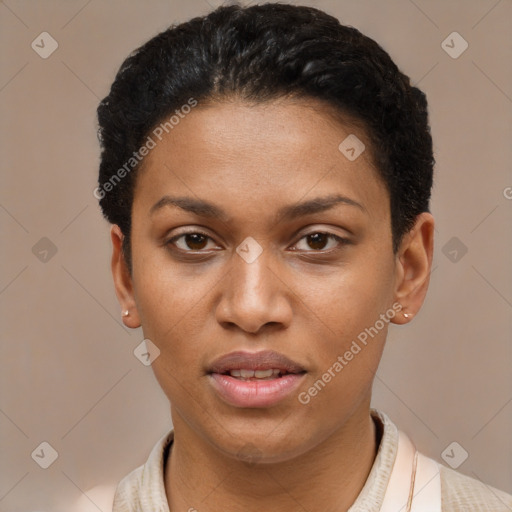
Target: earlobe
x=123 y=280
x=414 y=265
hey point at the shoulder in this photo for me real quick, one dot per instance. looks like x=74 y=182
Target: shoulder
x=461 y=493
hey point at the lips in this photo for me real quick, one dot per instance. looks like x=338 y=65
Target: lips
x=254 y=379
x=255 y=361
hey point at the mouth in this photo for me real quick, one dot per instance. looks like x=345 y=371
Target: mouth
x=255 y=375
x=265 y=365
x=260 y=379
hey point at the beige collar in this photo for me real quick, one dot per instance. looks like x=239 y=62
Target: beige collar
x=415 y=482
x=399 y=478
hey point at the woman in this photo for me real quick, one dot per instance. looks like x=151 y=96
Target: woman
x=267 y=173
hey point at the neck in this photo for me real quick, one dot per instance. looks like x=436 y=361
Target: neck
x=328 y=477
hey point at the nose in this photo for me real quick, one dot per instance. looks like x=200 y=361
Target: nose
x=253 y=297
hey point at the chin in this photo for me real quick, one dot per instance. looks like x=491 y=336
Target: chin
x=269 y=443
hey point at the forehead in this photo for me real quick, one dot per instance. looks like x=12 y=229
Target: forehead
x=262 y=154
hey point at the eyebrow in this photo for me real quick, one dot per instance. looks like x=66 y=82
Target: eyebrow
x=317 y=205
x=206 y=209
x=189 y=204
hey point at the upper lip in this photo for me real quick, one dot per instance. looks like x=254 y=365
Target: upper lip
x=264 y=360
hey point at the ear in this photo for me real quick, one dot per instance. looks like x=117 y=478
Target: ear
x=123 y=280
x=413 y=267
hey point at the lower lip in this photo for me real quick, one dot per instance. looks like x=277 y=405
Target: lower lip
x=263 y=393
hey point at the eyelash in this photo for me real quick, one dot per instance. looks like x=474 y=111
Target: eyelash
x=340 y=240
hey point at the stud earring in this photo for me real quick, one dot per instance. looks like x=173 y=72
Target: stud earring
x=125 y=312
x=408 y=315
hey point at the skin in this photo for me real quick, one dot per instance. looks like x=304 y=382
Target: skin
x=305 y=299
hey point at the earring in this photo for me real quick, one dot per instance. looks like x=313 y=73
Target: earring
x=408 y=315
x=125 y=312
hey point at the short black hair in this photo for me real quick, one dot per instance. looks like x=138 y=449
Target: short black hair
x=261 y=53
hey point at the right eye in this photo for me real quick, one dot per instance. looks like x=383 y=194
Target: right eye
x=191 y=242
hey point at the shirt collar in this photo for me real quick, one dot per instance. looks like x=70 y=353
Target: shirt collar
x=149 y=490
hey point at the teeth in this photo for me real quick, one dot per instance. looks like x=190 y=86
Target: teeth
x=255 y=374
x=261 y=374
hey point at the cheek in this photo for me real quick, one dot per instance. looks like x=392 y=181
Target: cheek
x=342 y=314
x=174 y=312
x=167 y=297
x=350 y=300
x=346 y=351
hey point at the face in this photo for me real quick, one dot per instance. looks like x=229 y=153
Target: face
x=261 y=259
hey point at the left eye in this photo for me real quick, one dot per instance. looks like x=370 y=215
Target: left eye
x=319 y=241
x=192 y=241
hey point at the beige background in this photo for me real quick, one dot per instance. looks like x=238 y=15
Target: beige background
x=69 y=376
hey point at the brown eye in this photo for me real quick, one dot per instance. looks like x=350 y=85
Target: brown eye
x=189 y=242
x=195 y=241
x=317 y=241
x=320 y=241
